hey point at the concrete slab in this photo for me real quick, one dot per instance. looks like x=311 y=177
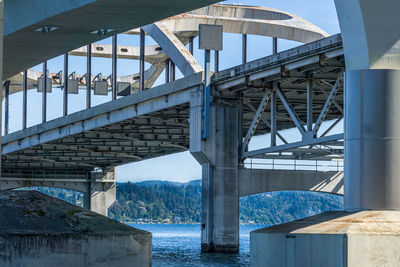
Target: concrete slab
x=39 y=230
x=366 y=238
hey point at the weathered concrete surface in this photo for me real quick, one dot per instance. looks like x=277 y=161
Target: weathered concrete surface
x=39 y=230
x=100 y=197
x=332 y=239
x=75 y=21
x=218 y=156
x=372 y=140
x=371 y=33
x=261 y=181
x=1 y=65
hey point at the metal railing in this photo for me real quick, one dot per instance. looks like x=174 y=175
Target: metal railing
x=310 y=165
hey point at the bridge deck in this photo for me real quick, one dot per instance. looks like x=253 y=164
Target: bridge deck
x=155 y=122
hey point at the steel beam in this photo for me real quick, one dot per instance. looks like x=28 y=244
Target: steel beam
x=309 y=106
x=336 y=104
x=244 y=48
x=327 y=105
x=256 y=120
x=141 y=62
x=282 y=148
x=172 y=71
x=65 y=92
x=7 y=107
x=44 y=92
x=167 y=74
x=114 y=67
x=216 y=61
x=191 y=45
x=273 y=118
x=24 y=99
x=265 y=121
x=274 y=45
x=89 y=75
x=292 y=113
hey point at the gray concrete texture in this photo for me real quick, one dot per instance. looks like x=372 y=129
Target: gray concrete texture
x=39 y=230
x=332 y=239
x=253 y=181
x=371 y=33
x=372 y=134
x=219 y=158
x=74 y=21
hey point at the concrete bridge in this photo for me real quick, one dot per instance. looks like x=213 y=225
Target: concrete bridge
x=167 y=119
x=300 y=88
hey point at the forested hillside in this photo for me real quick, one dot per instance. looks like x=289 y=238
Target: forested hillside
x=164 y=202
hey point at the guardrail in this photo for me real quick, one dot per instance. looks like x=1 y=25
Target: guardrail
x=311 y=165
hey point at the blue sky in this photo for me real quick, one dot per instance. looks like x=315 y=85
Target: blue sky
x=179 y=167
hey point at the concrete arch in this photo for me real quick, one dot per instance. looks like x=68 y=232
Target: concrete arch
x=254 y=20
x=258 y=181
x=237 y=19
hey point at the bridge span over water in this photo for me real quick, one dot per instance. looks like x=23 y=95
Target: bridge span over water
x=79 y=151
x=297 y=89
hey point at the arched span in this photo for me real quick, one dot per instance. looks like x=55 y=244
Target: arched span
x=258 y=181
x=236 y=19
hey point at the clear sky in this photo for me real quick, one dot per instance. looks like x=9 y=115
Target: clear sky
x=179 y=167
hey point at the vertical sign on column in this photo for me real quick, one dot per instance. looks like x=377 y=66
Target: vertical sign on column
x=210 y=38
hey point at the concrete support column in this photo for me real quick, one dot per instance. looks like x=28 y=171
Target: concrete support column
x=372 y=140
x=371 y=41
x=218 y=156
x=101 y=195
x=1 y=66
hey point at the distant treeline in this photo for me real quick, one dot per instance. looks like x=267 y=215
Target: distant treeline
x=164 y=202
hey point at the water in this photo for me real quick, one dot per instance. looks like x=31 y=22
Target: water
x=179 y=245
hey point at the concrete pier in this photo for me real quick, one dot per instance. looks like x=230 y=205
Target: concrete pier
x=332 y=239
x=218 y=156
x=39 y=230
x=99 y=196
x=372 y=140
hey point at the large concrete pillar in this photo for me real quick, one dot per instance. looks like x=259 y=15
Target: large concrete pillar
x=372 y=140
x=366 y=235
x=100 y=195
x=371 y=39
x=1 y=69
x=218 y=156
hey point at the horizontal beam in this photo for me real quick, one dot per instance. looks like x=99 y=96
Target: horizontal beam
x=146 y=102
x=281 y=148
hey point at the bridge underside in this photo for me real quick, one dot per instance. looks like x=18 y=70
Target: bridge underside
x=155 y=122
x=74 y=24
x=156 y=134
x=264 y=97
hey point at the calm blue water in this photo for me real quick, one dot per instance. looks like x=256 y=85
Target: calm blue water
x=179 y=245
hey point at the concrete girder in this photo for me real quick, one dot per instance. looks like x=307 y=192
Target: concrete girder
x=178 y=53
x=248 y=20
x=371 y=33
x=253 y=181
x=154 y=53
x=252 y=20
x=75 y=22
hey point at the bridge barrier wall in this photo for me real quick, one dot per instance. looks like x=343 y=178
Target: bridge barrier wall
x=256 y=181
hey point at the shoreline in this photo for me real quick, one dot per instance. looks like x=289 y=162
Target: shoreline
x=163 y=223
